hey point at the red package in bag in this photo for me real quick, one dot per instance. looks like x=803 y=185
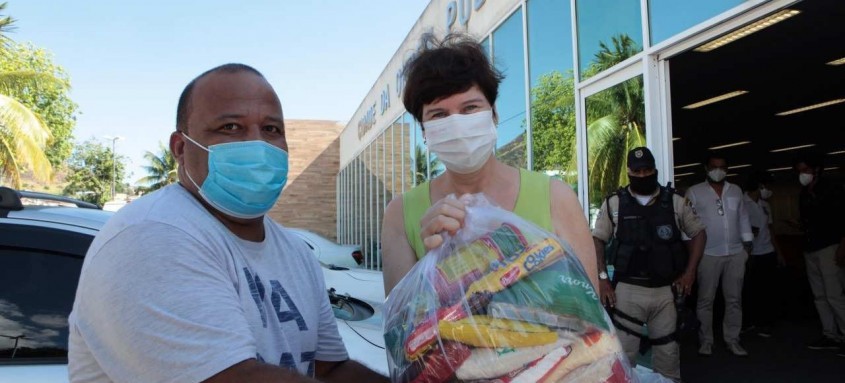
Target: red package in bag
x=441 y=363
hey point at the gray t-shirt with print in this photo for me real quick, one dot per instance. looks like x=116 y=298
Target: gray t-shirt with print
x=169 y=294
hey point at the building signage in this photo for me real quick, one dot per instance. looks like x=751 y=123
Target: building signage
x=460 y=10
x=385 y=99
x=457 y=11
x=367 y=121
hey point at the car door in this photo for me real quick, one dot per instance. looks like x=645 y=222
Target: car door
x=39 y=271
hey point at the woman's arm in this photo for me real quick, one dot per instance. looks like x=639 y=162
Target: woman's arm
x=571 y=226
x=398 y=255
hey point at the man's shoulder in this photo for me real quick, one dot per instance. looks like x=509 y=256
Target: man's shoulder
x=697 y=187
x=164 y=210
x=734 y=188
x=168 y=198
x=289 y=241
x=679 y=198
x=614 y=194
x=680 y=202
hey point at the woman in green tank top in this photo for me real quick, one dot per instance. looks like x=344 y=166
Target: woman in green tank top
x=450 y=89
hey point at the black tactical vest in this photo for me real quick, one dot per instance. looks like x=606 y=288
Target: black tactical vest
x=650 y=251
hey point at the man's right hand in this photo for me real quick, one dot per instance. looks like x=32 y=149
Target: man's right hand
x=608 y=296
x=446 y=215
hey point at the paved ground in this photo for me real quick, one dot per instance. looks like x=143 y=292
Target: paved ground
x=782 y=358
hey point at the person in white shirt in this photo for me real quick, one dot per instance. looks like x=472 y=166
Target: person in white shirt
x=193 y=282
x=761 y=290
x=720 y=206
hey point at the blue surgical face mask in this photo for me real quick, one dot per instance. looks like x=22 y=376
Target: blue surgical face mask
x=244 y=178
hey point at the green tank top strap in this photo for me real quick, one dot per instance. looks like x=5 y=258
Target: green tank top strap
x=534 y=200
x=415 y=202
x=533 y=204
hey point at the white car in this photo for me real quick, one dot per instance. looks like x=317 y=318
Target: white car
x=329 y=252
x=41 y=254
x=357 y=298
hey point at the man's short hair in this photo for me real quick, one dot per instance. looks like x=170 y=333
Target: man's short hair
x=714 y=155
x=183 y=108
x=813 y=159
x=446 y=67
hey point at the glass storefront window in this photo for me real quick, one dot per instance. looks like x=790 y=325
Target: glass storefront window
x=340 y=212
x=419 y=166
x=347 y=204
x=435 y=166
x=394 y=161
x=357 y=215
x=670 y=17
x=509 y=58
x=552 y=89
x=378 y=205
x=615 y=125
x=407 y=152
x=370 y=228
x=607 y=30
x=362 y=199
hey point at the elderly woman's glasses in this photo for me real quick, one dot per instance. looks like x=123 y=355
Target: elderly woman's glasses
x=719 y=208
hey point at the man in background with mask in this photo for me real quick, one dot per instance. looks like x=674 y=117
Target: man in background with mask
x=720 y=206
x=822 y=208
x=761 y=290
x=194 y=282
x=651 y=261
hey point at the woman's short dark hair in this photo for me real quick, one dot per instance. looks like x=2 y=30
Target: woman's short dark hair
x=445 y=67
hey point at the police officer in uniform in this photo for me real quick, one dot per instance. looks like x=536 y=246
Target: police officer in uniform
x=645 y=223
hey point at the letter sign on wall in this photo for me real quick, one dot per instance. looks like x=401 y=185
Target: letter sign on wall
x=461 y=10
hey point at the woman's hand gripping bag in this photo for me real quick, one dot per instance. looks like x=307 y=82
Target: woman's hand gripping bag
x=501 y=301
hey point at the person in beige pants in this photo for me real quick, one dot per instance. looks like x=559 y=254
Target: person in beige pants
x=720 y=206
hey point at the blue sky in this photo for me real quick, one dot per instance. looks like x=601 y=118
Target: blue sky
x=128 y=61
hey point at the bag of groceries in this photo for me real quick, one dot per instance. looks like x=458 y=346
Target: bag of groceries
x=501 y=301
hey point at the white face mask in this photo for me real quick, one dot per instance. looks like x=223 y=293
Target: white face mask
x=463 y=142
x=765 y=193
x=717 y=175
x=805 y=178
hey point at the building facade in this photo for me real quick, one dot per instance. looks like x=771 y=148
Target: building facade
x=585 y=80
x=308 y=201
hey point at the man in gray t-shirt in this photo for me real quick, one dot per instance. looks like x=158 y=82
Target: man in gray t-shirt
x=193 y=283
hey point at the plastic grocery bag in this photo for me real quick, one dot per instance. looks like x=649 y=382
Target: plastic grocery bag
x=501 y=301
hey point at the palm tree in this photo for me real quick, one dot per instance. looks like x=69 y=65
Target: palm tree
x=615 y=121
x=161 y=169
x=23 y=135
x=421 y=165
x=6 y=25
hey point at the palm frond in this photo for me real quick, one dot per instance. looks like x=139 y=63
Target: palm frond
x=25 y=137
x=17 y=81
x=161 y=170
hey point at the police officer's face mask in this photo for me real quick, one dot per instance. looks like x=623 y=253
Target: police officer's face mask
x=644 y=185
